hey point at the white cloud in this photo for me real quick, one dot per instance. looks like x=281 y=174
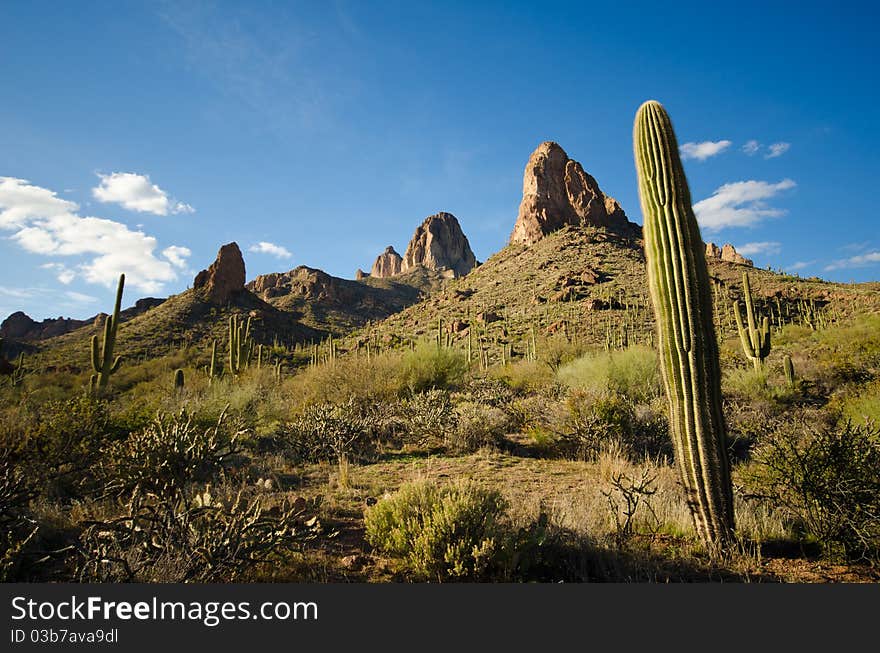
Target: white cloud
x=18 y=293
x=777 y=149
x=44 y=224
x=270 y=248
x=20 y=202
x=137 y=193
x=177 y=255
x=739 y=204
x=860 y=261
x=80 y=298
x=751 y=147
x=764 y=247
x=704 y=150
x=63 y=273
x=800 y=265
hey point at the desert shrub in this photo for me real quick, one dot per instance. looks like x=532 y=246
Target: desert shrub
x=61 y=442
x=524 y=375
x=427 y=417
x=166 y=456
x=632 y=372
x=595 y=423
x=181 y=520
x=477 y=426
x=864 y=407
x=826 y=480
x=203 y=538
x=376 y=379
x=17 y=526
x=429 y=366
x=463 y=531
x=489 y=391
x=326 y=432
x=442 y=532
x=757 y=386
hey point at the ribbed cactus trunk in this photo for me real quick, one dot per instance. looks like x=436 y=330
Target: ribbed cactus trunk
x=678 y=280
x=755 y=339
x=103 y=361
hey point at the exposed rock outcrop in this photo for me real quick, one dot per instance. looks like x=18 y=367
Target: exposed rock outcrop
x=20 y=326
x=224 y=278
x=558 y=192
x=387 y=264
x=303 y=281
x=439 y=244
x=726 y=253
x=360 y=274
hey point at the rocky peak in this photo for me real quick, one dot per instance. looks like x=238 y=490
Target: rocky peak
x=387 y=264
x=558 y=192
x=439 y=244
x=726 y=253
x=20 y=326
x=224 y=278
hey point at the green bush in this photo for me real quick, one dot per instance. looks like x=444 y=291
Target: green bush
x=865 y=407
x=61 y=442
x=429 y=366
x=826 y=479
x=442 y=532
x=633 y=372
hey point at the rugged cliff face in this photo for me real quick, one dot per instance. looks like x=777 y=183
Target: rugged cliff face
x=558 y=192
x=224 y=278
x=387 y=264
x=726 y=253
x=439 y=244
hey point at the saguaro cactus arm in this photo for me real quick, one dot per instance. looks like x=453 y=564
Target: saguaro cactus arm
x=103 y=362
x=681 y=294
x=755 y=340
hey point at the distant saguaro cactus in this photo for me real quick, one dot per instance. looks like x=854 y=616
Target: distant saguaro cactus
x=241 y=346
x=103 y=362
x=755 y=340
x=178 y=380
x=678 y=280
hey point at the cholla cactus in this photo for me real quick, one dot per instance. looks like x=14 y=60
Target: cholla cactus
x=678 y=280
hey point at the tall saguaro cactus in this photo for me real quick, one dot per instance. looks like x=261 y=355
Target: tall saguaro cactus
x=678 y=280
x=241 y=346
x=755 y=340
x=103 y=362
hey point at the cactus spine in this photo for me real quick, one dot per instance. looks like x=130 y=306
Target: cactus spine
x=103 y=362
x=678 y=280
x=755 y=340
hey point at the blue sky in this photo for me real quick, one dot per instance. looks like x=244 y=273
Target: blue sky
x=139 y=137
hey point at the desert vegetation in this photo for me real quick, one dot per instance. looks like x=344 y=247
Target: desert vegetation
x=578 y=408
